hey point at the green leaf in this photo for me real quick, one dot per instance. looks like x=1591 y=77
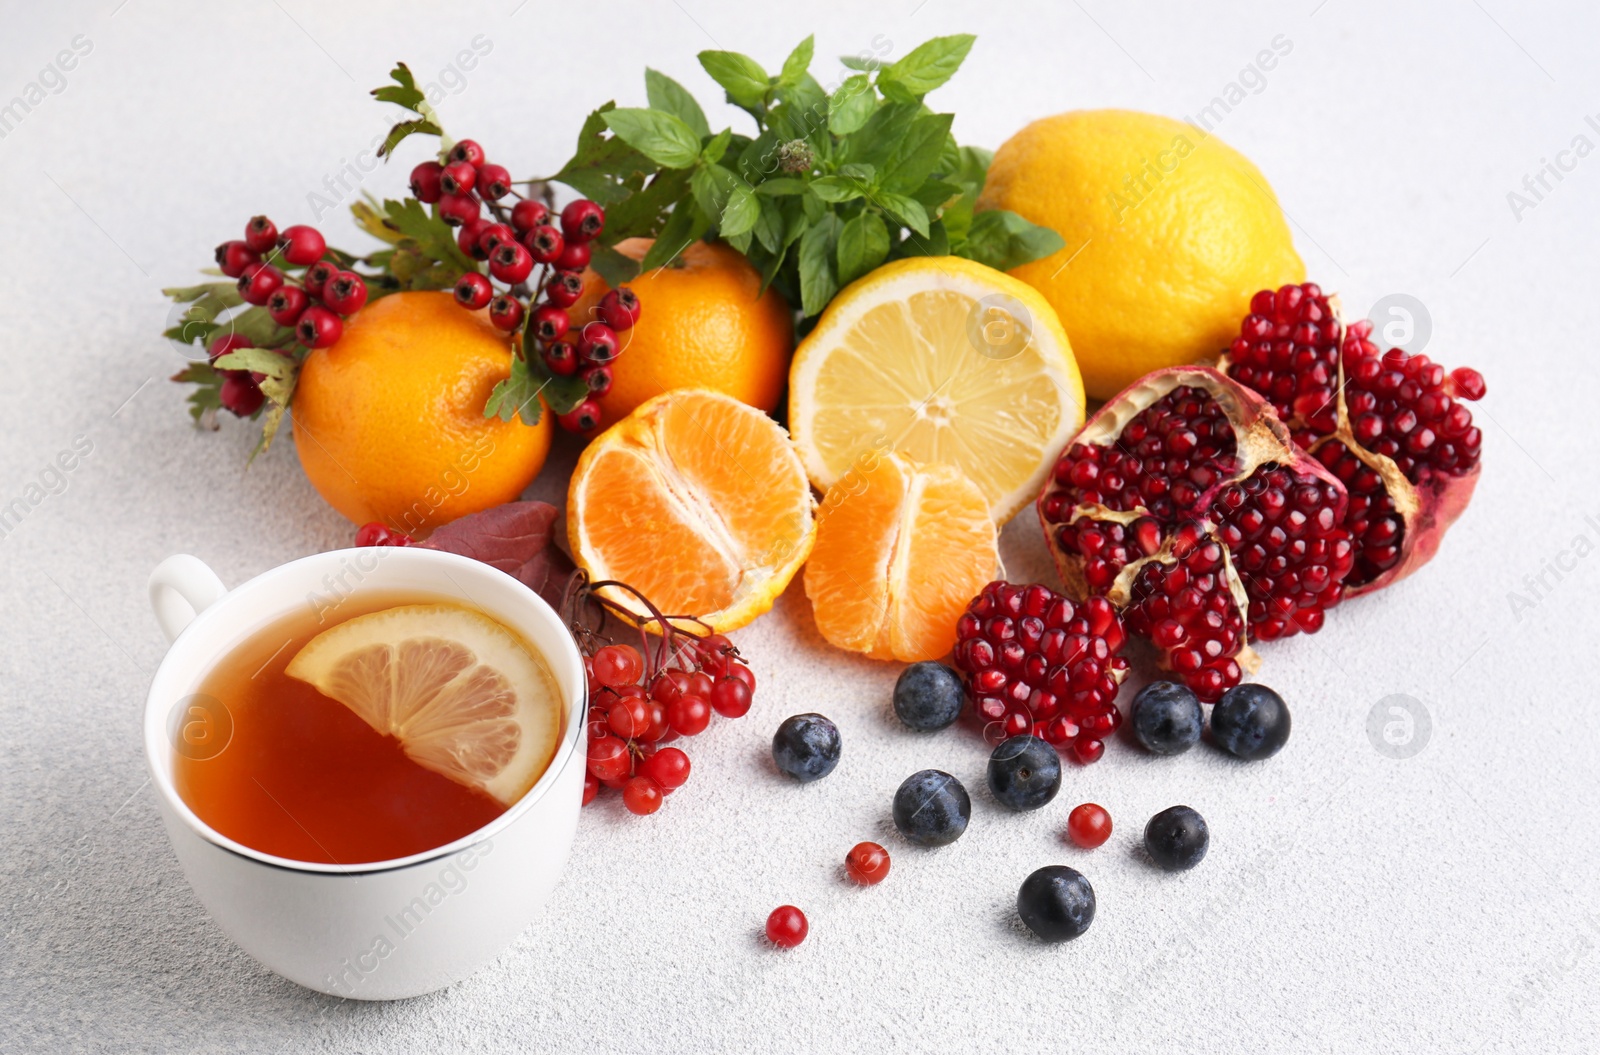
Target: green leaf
x=908 y=211
x=711 y=185
x=877 y=138
x=399 y=133
x=935 y=243
x=741 y=212
x=1003 y=240
x=796 y=65
x=837 y=189
x=769 y=225
x=805 y=107
x=936 y=195
x=518 y=395
x=687 y=223
x=197 y=373
x=856 y=62
x=258 y=360
x=912 y=158
x=602 y=164
x=863 y=245
x=818 y=283
x=659 y=136
x=429 y=234
x=740 y=241
x=641 y=213
x=612 y=265
x=925 y=67
x=780 y=186
x=206 y=397
x=668 y=96
x=740 y=76
x=714 y=151
x=404 y=92
x=851 y=105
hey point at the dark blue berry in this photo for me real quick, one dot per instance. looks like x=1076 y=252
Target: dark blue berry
x=927 y=696
x=1167 y=718
x=932 y=808
x=806 y=747
x=1056 y=902
x=1177 y=838
x=1250 y=721
x=1024 y=773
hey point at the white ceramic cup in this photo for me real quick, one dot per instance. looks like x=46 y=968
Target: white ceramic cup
x=388 y=929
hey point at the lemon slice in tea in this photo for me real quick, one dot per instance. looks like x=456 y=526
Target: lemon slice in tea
x=463 y=695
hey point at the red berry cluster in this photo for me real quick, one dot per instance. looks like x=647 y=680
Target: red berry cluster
x=635 y=711
x=287 y=274
x=512 y=242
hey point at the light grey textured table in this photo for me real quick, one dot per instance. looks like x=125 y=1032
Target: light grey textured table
x=1351 y=901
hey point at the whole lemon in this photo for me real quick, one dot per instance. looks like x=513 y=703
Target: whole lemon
x=389 y=421
x=1169 y=232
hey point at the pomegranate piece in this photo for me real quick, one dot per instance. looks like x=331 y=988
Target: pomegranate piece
x=1037 y=662
x=1391 y=427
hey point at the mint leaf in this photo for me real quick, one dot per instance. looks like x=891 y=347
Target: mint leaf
x=796 y=65
x=1003 y=240
x=741 y=212
x=668 y=96
x=659 y=136
x=856 y=62
x=717 y=148
x=780 y=186
x=740 y=76
x=818 y=283
x=925 y=67
x=912 y=158
x=687 y=223
x=769 y=224
x=877 y=138
x=602 y=164
x=863 y=245
x=908 y=211
x=837 y=189
x=851 y=105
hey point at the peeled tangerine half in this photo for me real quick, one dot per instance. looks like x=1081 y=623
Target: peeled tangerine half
x=697 y=501
x=463 y=695
x=901 y=548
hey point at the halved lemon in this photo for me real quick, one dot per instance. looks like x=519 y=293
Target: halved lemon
x=465 y=697
x=901 y=548
x=697 y=501
x=945 y=360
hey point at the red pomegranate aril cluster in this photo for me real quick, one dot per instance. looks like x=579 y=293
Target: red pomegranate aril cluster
x=1036 y=662
x=1187 y=610
x=1288 y=350
x=635 y=710
x=1406 y=408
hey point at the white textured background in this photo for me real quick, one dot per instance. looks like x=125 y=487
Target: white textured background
x=1350 y=902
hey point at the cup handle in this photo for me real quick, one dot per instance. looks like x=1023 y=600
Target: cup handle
x=181 y=588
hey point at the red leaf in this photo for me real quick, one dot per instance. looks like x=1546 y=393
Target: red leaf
x=519 y=539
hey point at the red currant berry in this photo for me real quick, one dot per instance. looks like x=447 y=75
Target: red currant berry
x=598 y=377
x=582 y=419
x=867 y=863
x=318 y=327
x=544 y=243
x=317 y=276
x=286 y=304
x=617 y=665
x=505 y=311
x=786 y=927
x=345 y=293
x=260 y=234
x=591 y=787
x=582 y=220
x=564 y=289
x=228 y=344
x=548 y=323
x=457 y=209
x=376 y=533
x=528 y=214
x=473 y=291
x=619 y=309
x=574 y=256
x=628 y=717
x=240 y=394
x=302 y=245
x=491 y=235
x=458 y=177
x=510 y=263
x=259 y=282
x=494 y=182
x=608 y=758
x=744 y=674
x=668 y=767
x=642 y=796
x=234 y=257
x=425 y=182
x=469 y=238
x=597 y=343
x=1089 y=825
x=731 y=698
x=469 y=151
x=561 y=358
x=688 y=715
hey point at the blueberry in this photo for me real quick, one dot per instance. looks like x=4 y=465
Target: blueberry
x=1250 y=721
x=806 y=747
x=927 y=696
x=1024 y=773
x=1167 y=718
x=1056 y=902
x=1177 y=838
x=932 y=808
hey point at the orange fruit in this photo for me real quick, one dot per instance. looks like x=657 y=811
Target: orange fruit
x=696 y=500
x=901 y=548
x=701 y=325
x=389 y=422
